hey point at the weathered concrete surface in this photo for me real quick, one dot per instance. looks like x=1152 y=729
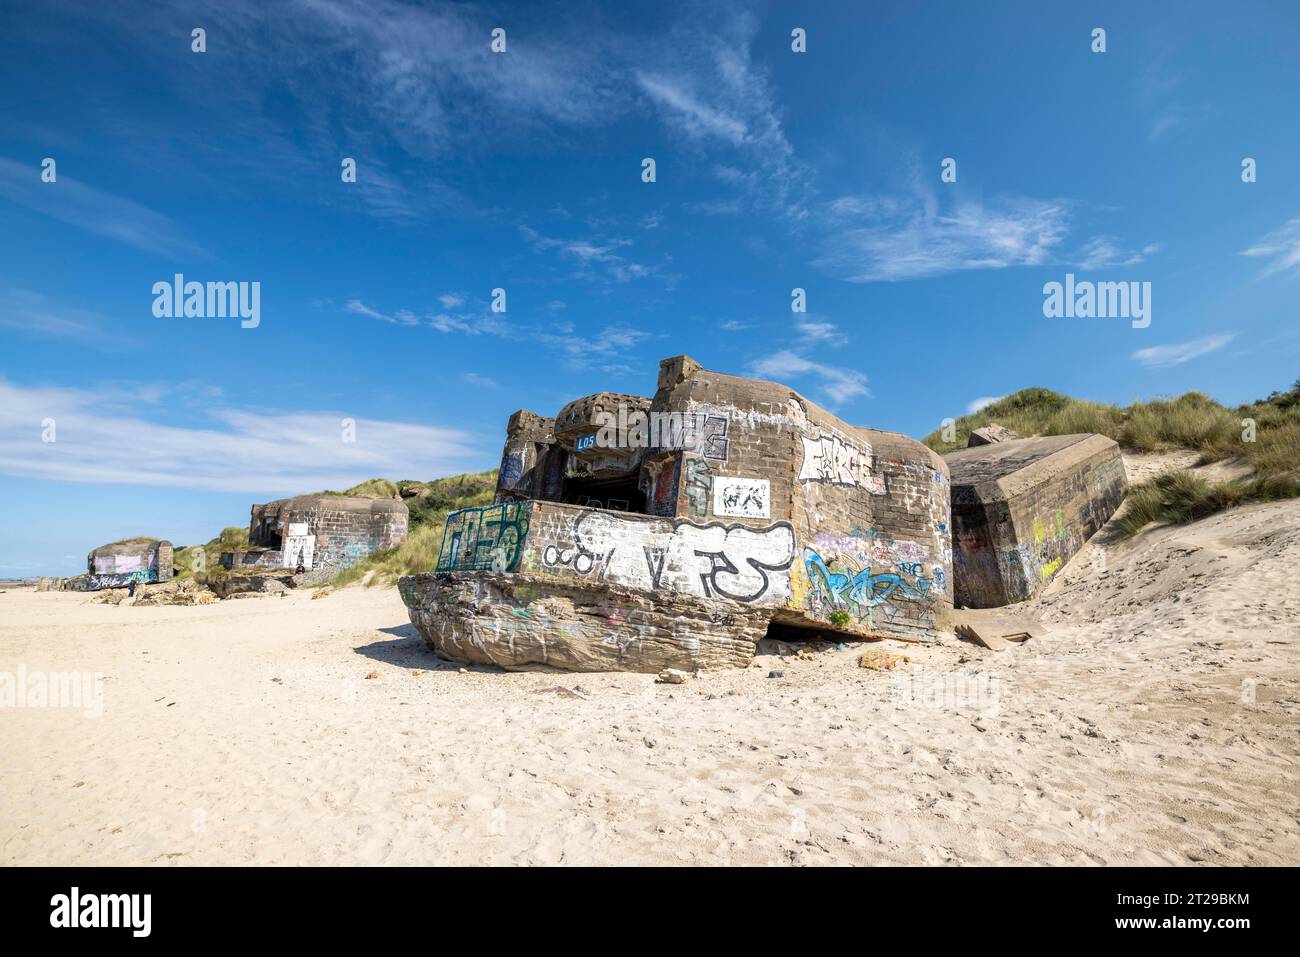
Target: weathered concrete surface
x=227 y=586
x=118 y=564
x=750 y=504
x=1022 y=508
x=320 y=531
x=515 y=620
x=990 y=434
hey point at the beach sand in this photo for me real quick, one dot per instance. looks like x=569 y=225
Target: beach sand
x=1157 y=723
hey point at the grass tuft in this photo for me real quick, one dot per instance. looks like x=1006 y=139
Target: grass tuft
x=1183 y=496
x=428 y=512
x=1191 y=421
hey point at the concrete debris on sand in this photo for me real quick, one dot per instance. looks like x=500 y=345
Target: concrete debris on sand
x=995 y=628
x=185 y=591
x=877 y=659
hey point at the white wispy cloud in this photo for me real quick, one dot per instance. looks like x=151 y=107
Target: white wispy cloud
x=982 y=402
x=606 y=349
x=424 y=74
x=482 y=381
x=115 y=434
x=422 y=83
x=34 y=314
x=694 y=117
x=1163 y=357
x=96 y=211
x=473 y=323
x=817 y=330
x=402 y=317
x=1102 y=252
x=887 y=238
x=1159 y=93
x=593 y=258
x=1281 y=249
x=707 y=89
x=835 y=385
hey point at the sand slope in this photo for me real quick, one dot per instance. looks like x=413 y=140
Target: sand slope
x=247 y=731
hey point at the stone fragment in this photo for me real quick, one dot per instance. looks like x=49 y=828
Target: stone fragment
x=990 y=434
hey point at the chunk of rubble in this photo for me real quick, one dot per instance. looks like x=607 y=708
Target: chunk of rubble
x=990 y=434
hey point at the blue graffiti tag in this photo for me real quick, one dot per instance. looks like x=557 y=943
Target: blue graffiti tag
x=866 y=590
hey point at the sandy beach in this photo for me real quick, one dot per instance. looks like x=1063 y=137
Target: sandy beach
x=1157 y=723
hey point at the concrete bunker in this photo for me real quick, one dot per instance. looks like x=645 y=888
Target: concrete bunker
x=118 y=564
x=322 y=532
x=1021 y=508
x=634 y=533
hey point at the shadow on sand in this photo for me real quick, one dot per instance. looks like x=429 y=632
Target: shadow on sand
x=406 y=649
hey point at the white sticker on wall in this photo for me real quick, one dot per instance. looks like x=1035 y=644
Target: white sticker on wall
x=741 y=497
x=297 y=529
x=298 y=549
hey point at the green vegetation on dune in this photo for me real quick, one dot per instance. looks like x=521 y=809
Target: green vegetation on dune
x=1184 y=496
x=372 y=488
x=1192 y=421
x=428 y=503
x=231 y=539
x=133 y=540
x=428 y=512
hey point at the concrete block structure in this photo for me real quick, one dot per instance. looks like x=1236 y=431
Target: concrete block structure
x=1021 y=508
x=320 y=532
x=141 y=560
x=634 y=533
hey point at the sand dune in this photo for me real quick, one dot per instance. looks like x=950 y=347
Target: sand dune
x=1156 y=724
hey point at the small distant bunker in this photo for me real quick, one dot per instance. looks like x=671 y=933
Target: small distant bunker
x=635 y=533
x=1022 y=507
x=140 y=560
x=320 y=532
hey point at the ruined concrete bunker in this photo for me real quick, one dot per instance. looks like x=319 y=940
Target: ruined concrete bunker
x=634 y=533
x=1022 y=508
x=321 y=532
x=118 y=564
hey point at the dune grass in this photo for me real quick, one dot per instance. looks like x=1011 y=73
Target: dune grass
x=428 y=512
x=1266 y=434
x=232 y=539
x=1191 y=421
x=1184 y=496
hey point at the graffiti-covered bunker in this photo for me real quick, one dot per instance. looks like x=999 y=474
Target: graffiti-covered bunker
x=141 y=560
x=1021 y=508
x=636 y=534
x=321 y=532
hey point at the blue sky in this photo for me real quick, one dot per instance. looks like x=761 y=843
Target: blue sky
x=522 y=171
